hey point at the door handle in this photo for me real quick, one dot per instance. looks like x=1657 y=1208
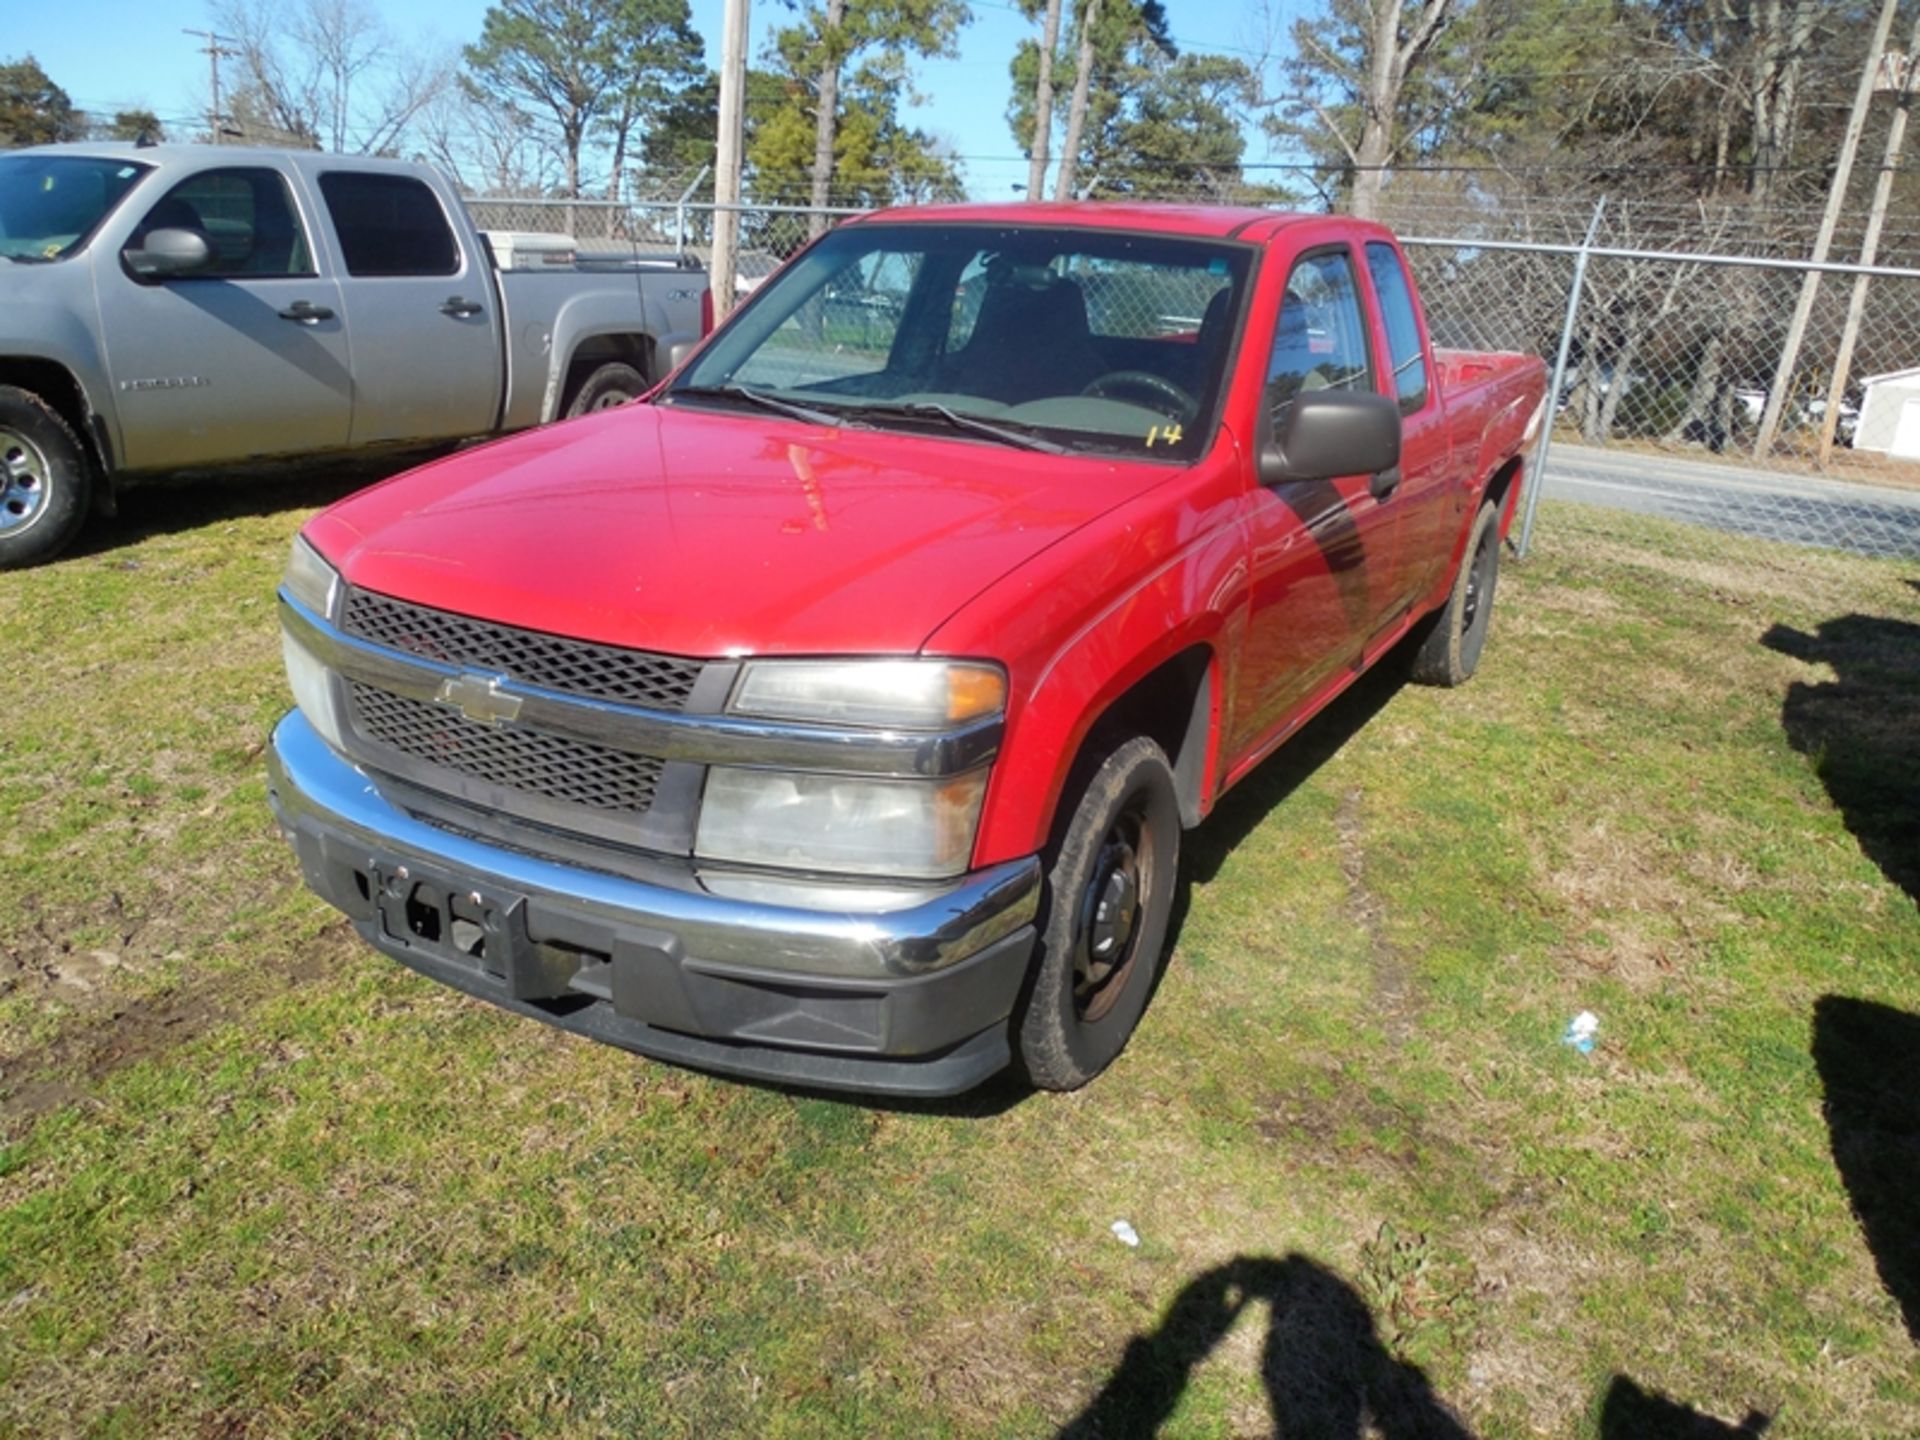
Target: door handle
x=1385 y=483
x=460 y=307
x=305 y=312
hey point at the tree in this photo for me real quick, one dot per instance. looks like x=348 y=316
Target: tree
x=135 y=125
x=327 y=73
x=489 y=148
x=876 y=37
x=34 y=110
x=1181 y=127
x=586 y=67
x=1115 y=49
x=682 y=138
x=1039 y=146
x=877 y=160
x=1352 y=83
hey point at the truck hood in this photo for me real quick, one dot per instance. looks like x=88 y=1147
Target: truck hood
x=708 y=533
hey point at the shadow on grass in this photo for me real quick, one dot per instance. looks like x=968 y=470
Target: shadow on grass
x=1325 y=1371
x=166 y=505
x=1630 y=1413
x=1248 y=804
x=1868 y=1057
x=1859 y=731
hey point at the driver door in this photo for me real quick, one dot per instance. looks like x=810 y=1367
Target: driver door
x=247 y=357
x=1322 y=551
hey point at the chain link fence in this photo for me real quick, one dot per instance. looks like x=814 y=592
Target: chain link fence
x=1668 y=362
x=1675 y=397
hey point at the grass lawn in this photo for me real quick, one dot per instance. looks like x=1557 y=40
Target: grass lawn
x=257 y=1180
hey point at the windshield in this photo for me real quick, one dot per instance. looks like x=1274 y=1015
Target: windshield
x=51 y=204
x=1088 y=339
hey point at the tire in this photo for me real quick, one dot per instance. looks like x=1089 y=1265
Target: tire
x=1451 y=651
x=46 y=481
x=610 y=385
x=1097 y=966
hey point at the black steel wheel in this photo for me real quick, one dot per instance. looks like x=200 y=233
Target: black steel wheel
x=1110 y=891
x=1457 y=634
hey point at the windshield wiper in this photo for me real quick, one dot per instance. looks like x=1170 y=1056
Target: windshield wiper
x=791 y=409
x=972 y=424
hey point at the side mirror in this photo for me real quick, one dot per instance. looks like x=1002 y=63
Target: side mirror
x=168 y=253
x=1327 y=433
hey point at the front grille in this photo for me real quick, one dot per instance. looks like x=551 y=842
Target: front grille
x=578 y=667
x=569 y=771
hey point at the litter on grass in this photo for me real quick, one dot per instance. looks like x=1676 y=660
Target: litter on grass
x=1582 y=1031
x=1126 y=1234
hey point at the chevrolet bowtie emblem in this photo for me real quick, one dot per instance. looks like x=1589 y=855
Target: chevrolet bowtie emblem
x=480 y=699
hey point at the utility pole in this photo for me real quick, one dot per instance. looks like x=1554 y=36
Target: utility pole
x=1901 y=78
x=726 y=160
x=1836 y=202
x=214 y=49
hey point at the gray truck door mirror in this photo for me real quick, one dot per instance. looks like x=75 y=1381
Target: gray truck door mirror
x=1328 y=433
x=167 y=253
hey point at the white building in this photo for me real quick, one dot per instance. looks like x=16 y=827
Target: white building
x=1890 y=414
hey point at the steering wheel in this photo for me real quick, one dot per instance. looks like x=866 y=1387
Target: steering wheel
x=1158 y=390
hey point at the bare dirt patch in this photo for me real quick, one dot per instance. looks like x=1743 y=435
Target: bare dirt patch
x=1398 y=1006
x=115 y=1031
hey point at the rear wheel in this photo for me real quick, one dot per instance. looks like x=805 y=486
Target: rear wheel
x=1110 y=896
x=45 y=481
x=610 y=385
x=1451 y=652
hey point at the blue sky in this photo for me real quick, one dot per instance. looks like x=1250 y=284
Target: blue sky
x=110 y=54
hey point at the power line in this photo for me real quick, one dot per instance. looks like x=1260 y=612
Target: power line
x=214 y=49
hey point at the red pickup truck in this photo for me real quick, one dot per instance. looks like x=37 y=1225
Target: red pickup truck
x=832 y=715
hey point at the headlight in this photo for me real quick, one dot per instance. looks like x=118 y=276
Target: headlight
x=899 y=694
x=922 y=829
x=312 y=690
x=309 y=579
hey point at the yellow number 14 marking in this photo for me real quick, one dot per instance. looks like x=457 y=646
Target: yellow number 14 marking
x=1171 y=434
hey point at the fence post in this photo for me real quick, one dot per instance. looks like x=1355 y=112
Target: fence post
x=680 y=214
x=1559 y=378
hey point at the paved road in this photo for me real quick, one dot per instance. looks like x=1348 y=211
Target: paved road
x=1805 y=510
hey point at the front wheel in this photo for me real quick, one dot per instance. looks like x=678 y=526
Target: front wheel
x=1110 y=896
x=45 y=480
x=1451 y=651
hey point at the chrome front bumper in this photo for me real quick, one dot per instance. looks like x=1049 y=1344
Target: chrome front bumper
x=913 y=999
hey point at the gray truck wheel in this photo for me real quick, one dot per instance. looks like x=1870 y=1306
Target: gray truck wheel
x=1451 y=651
x=1110 y=896
x=610 y=385
x=45 y=481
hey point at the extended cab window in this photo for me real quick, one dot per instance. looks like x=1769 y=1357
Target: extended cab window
x=248 y=218
x=1320 y=342
x=389 y=225
x=1403 y=326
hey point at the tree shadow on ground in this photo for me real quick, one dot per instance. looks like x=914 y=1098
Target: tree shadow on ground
x=1868 y=1056
x=1859 y=731
x=1325 y=1371
x=1630 y=1413
x=170 y=504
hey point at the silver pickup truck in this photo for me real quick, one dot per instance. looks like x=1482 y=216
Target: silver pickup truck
x=184 y=306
